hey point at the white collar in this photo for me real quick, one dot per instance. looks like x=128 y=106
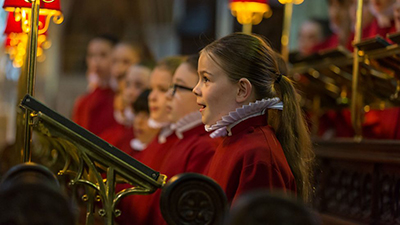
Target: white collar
x=383 y=18
x=137 y=145
x=124 y=118
x=164 y=132
x=186 y=123
x=154 y=124
x=223 y=127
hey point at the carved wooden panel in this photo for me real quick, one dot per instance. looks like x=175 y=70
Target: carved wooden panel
x=359 y=182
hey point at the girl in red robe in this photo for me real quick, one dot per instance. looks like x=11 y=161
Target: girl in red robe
x=245 y=99
x=194 y=148
x=383 y=23
x=144 y=134
x=134 y=208
x=94 y=111
x=134 y=82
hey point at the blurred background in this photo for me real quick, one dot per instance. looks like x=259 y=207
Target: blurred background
x=168 y=27
x=357 y=177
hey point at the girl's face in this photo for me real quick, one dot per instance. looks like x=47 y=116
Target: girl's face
x=123 y=57
x=338 y=15
x=143 y=132
x=182 y=101
x=310 y=34
x=160 y=80
x=136 y=81
x=98 y=58
x=381 y=5
x=216 y=94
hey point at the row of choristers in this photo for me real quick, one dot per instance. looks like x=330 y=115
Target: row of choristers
x=379 y=17
x=228 y=112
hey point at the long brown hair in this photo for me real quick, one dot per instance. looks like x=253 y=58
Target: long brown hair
x=249 y=56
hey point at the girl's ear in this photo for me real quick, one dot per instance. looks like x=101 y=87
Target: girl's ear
x=244 y=90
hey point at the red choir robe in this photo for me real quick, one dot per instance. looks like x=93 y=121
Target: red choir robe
x=191 y=154
x=120 y=136
x=339 y=122
x=382 y=31
x=252 y=158
x=377 y=124
x=371 y=31
x=366 y=33
x=136 y=153
x=153 y=156
x=382 y=124
x=130 y=150
x=95 y=111
x=157 y=150
x=330 y=42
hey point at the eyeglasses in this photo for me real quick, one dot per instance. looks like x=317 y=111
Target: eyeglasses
x=176 y=86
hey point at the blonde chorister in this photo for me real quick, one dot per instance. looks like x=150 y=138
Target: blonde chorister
x=241 y=88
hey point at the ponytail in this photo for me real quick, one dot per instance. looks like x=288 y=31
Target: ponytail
x=293 y=134
x=251 y=57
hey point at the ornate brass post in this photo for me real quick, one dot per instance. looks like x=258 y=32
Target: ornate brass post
x=30 y=72
x=356 y=103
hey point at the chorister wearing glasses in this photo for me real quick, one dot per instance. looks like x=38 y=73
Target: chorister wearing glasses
x=174 y=87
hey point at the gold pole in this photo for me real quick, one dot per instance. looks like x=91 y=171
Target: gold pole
x=31 y=70
x=286 y=30
x=356 y=103
x=20 y=118
x=246 y=28
x=110 y=194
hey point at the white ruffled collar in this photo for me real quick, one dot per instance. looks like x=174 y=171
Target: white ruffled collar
x=125 y=118
x=137 y=145
x=164 y=132
x=156 y=125
x=186 y=123
x=223 y=127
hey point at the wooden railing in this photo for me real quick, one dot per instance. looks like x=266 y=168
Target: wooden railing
x=358 y=182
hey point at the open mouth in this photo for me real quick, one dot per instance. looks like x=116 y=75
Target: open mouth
x=152 y=109
x=138 y=131
x=202 y=107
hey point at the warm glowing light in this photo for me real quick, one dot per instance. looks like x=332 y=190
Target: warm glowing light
x=19 y=25
x=16 y=44
x=250 y=12
x=296 y=2
x=22 y=10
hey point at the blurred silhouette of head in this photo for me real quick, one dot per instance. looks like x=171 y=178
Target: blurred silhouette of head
x=98 y=59
x=30 y=194
x=312 y=32
x=262 y=208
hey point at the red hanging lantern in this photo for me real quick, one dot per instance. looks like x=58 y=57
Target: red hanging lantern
x=12 y=26
x=15 y=26
x=17 y=37
x=22 y=10
x=10 y=5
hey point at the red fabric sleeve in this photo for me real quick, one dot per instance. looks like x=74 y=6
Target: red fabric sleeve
x=260 y=176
